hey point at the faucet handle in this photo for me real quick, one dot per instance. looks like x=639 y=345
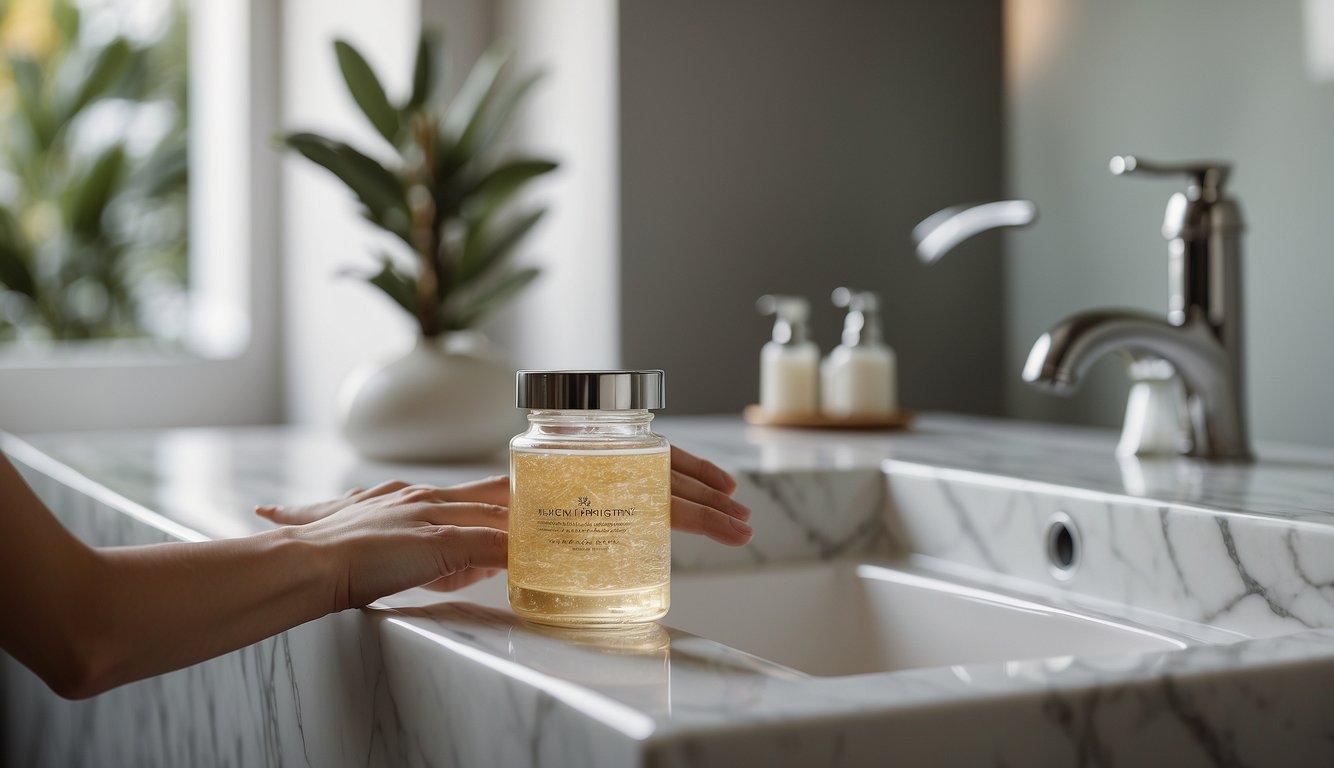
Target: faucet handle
x=1207 y=176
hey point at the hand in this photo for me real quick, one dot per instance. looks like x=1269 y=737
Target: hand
x=702 y=500
x=395 y=536
x=701 y=503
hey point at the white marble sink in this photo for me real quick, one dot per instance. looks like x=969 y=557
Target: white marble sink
x=967 y=593
x=856 y=617
x=848 y=618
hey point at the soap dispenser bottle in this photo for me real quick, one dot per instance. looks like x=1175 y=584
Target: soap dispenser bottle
x=789 y=364
x=858 y=377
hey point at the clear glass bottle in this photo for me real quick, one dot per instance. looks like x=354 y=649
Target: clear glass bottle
x=590 y=500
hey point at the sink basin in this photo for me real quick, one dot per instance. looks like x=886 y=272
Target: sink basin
x=830 y=619
x=845 y=618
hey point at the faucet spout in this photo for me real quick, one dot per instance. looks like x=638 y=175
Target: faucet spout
x=939 y=233
x=1211 y=375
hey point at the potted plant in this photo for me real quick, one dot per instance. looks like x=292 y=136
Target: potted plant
x=447 y=198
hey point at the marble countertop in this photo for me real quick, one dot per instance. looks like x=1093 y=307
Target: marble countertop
x=208 y=479
x=691 y=698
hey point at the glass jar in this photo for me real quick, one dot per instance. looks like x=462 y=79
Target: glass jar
x=590 y=500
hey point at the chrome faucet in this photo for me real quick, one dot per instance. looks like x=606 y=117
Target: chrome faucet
x=1201 y=338
x=939 y=233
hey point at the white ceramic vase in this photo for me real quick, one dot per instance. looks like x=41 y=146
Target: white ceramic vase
x=449 y=399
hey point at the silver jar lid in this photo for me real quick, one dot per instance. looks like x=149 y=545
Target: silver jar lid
x=590 y=390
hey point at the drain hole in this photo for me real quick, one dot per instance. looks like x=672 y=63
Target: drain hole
x=1062 y=545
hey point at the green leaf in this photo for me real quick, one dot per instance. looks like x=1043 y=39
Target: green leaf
x=374 y=185
x=166 y=170
x=95 y=191
x=429 y=74
x=481 y=253
x=67 y=17
x=93 y=78
x=396 y=285
x=497 y=186
x=28 y=82
x=492 y=296
x=28 y=77
x=137 y=79
x=14 y=271
x=471 y=101
x=499 y=117
x=366 y=91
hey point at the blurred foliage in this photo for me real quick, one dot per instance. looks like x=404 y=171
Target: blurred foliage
x=447 y=193
x=93 y=171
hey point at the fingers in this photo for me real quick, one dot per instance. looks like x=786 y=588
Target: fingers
x=702 y=470
x=490 y=490
x=390 y=486
x=461 y=579
x=460 y=548
x=300 y=514
x=702 y=503
x=465 y=514
x=690 y=489
x=693 y=517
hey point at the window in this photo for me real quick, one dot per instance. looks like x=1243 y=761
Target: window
x=93 y=170
x=146 y=330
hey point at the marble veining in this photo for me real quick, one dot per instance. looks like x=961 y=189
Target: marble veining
x=1256 y=575
x=419 y=679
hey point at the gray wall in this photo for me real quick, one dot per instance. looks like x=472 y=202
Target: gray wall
x=1184 y=79
x=789 y=146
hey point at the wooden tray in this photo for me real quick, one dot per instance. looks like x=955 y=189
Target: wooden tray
x=900 y=419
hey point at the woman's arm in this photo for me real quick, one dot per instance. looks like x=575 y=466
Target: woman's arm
x=45 y=580
x=86 y=620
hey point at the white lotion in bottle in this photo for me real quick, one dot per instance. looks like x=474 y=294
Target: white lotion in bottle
x=859 y=376
x=789 y=364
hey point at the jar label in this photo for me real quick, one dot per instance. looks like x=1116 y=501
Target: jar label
x=590 y=523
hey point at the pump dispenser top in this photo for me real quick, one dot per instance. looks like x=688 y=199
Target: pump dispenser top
x=789 y=364
x=858 y=377
x=862 y=325
x=791 y=317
